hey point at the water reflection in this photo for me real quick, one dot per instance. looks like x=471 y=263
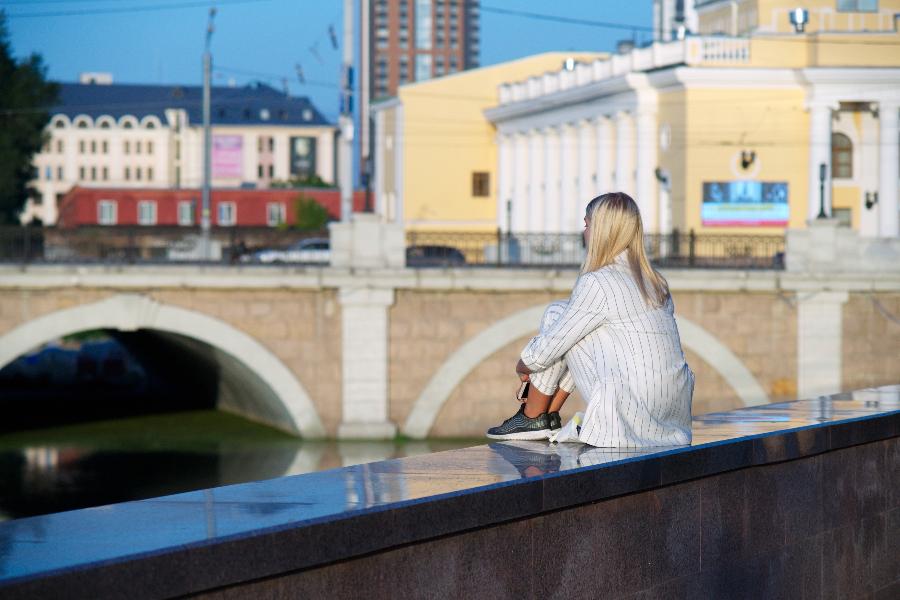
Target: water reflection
x=66 y=468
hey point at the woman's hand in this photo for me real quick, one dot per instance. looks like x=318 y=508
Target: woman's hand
x=522 y=371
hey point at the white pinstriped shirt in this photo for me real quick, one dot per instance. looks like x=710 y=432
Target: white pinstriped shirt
x=626 y=359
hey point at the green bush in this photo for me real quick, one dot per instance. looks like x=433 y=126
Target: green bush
x=311 y=216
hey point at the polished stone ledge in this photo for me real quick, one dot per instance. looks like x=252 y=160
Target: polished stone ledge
x=207 y=539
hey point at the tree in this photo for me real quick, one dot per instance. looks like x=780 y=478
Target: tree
x=311 y=215
x=25 y=96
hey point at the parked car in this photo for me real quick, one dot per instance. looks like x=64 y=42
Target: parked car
x=312 y=250
x=434 y=256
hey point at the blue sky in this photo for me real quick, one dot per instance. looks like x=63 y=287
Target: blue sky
x=264 y=39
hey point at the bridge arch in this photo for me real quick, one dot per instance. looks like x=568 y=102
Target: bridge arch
x=285 y=403
x=484 y=344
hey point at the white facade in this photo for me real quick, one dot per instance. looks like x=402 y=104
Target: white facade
x=609 y=113
x=155 y=153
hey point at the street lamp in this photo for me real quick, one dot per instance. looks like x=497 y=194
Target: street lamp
x=823 y=171
x=207 y=141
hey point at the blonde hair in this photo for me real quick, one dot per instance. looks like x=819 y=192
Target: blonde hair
x=615 y=226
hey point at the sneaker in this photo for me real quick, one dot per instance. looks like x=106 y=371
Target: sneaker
x=520 y=427
x=555 y=420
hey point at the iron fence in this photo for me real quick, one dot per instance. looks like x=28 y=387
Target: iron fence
x=132 y=245
x=263 y=245
x=673 y=250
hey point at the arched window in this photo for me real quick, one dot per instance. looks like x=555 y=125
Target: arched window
x=150 y=125
x=841 y=156
x=59 y=124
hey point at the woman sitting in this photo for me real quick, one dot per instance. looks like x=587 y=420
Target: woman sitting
x=615 y=339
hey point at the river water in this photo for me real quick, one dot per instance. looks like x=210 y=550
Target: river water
x=78 y=466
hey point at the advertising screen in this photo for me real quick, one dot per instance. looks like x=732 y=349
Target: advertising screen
x=303 y=156
x=227 y=156
x=745 y=204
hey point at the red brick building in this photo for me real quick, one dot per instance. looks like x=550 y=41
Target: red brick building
x=174 y=207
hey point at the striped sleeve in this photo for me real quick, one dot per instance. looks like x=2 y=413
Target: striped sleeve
x=583 y=314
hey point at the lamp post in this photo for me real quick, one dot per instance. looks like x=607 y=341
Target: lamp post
x=207 y=167
x=823 y=170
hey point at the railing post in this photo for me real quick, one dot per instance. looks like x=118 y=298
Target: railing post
x=692 y=247
x=676 y=244
x=499 y=246
x=26 y=245
x=131 y=250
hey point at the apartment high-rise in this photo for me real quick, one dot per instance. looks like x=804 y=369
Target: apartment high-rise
x=415 y=40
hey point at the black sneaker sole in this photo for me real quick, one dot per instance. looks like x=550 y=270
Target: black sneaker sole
x=539 y=434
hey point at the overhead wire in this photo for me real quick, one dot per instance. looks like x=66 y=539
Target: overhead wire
x=129 y=9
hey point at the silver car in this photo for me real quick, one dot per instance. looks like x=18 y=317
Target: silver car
x=312 y=250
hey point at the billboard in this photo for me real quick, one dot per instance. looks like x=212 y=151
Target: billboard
x=303 y=156
x=745 y=203
x=227 y=156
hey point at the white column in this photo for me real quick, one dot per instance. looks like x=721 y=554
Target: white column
x=586 y=163
x=819 y=341
x=888 y=170
x=603 y=181
x=535 y=181
x=645 y=188
x=364 y=325
x=568 y=169
x=819 y=153
x=505 y=174
x=624 y=154
x=866 y=169
x=379 y=183
x=550 y=217
x=520 y=183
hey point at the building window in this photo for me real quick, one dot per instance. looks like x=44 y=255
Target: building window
x=137 y=147
x=227 y=213
x=81 y=146
x=275 y=213
x=59 y=173
x=423 y=25
x=259 y=171
x=105 y=173
x=127 y=173
x=81 y=173
x=93 y=173
x=106 y=212
x=147 y=212
x=93 y=146
x=271 y=171
x=149 y=147
x=137 y=173
x=423 y=67
x=59 y=146
x=105 y=147
x=127 y=147
x=841 y=156
x=481 y=184
x=149 y=173
x=857 y=5
x=186 y=212
x=127 y=125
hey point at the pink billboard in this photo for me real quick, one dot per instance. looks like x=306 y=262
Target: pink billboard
x=227 y=155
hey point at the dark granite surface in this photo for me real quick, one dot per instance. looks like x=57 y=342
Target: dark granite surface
x=203 y=539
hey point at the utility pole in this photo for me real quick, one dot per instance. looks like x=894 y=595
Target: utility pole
x=345 y=121
x=365 y=88
x=207 y=139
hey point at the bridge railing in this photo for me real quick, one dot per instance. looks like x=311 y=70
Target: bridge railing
x=511 y=249
x=131 y=245
x=263 y=245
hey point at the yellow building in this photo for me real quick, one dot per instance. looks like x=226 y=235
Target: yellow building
x=747 y=125
x=436 y=153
